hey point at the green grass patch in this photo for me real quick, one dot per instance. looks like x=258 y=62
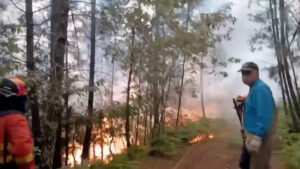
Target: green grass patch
x=290 y=142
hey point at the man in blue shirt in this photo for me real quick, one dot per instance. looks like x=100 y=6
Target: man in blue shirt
x=258 y=117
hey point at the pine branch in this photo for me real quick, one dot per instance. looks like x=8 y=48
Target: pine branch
x=294 y=35
x=17 y=6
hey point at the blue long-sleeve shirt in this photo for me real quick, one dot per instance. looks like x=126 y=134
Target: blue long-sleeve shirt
x=259 y=109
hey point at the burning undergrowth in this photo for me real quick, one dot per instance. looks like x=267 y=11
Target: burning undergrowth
x=165 y=145
x=202 y=137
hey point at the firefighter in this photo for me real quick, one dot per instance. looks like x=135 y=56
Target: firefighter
x=16 y=142
x=259 y=117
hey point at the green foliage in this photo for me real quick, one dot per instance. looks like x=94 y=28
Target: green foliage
x=163 y=146
x=290 y=142
x=137 y=152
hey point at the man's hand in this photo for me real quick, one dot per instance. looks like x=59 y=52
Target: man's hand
x=240 y=101
x=253 y=143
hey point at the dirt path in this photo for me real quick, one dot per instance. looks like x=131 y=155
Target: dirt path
x=220 y=153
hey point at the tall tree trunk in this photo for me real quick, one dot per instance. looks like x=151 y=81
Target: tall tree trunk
x=127 y=124
x=164 y=82
x=155 y=104
x=289 y=53
x=57 y=152
x=145 y=118
x=112 y=95
x=29 y=36
x=183 y=66
x=163 y=116
x=74 y=146
x=171 y=75
x=280 y=56
x=155 y=78
x=68 y=110
x=111 y=141
x=89 y=125
x=180 y=92
x=284 y=51
x=59 y=26
x=112 y=79
x=273 y=13
x=201 y=88
x=34 y=104
x=139 y=103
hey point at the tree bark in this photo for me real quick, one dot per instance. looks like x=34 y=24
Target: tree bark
x=145 y=118
x=284 y=51
x=89 y=125
x=127 y=124
x=273 y=13
x=32 y=94
x=139 y=103
x=180 y=93
x=201 y=88
x=183 y=67
x=57 y=163
x=68 y=110
x=59 y=26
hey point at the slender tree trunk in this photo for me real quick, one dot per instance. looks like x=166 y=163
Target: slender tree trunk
x=127 y=125
x=94 y=150
x=89 y=125
x=59 y=25
x=73 y=147
x=163 y=116
x=164 y=82
x=34 y=104
x=29 y=36
x=295 y=76
x=277 y=52
x=111 y=142
x=155 y=82
x=68 y=110
x=289 y=53
x=101 y=135
x=139 y=103
x=180 y=92
x=57 y=153
x=112 y=77
x=146 y=117
x=284 y=51
x=155 y=104
x=201 y=88
x=183 y=66
x=280 y=55
x=112 y=95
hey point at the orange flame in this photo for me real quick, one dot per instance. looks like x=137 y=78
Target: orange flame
x=202 y=138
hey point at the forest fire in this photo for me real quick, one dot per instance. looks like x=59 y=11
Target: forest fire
x=95 y=152
x=201 y=138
